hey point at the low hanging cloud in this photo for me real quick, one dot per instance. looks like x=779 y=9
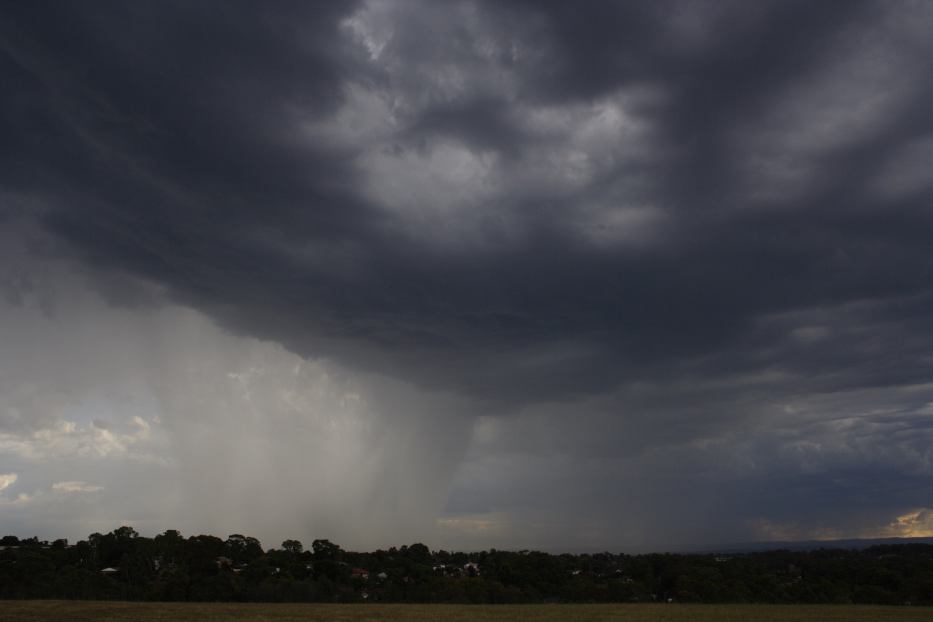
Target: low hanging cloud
x=638 y=275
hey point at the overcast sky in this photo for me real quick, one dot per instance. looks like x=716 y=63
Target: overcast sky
x=571 y=276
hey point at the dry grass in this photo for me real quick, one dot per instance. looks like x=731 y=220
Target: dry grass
x=77 y=611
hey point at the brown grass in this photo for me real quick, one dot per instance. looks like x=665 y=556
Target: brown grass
x=78 y=611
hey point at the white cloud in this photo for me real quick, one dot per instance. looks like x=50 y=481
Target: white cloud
x=68 y=439
x=75 y=486
x=7 y=480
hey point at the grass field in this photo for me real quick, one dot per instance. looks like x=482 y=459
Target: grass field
x=78 y=611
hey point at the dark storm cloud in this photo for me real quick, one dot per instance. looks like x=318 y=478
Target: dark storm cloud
x=532 y=203
x=171 y=130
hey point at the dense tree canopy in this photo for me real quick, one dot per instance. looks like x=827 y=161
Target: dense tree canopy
x=124 y=565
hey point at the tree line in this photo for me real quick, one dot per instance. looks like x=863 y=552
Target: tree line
x=170 y=567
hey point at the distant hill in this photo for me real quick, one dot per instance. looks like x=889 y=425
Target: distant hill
x=809 y=545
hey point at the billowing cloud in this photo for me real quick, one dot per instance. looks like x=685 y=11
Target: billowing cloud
x=468 y=273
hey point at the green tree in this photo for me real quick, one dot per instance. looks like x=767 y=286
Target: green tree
x=326 y=550
x=292 y=546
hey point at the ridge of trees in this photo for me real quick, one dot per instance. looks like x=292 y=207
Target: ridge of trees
x=169 y=567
